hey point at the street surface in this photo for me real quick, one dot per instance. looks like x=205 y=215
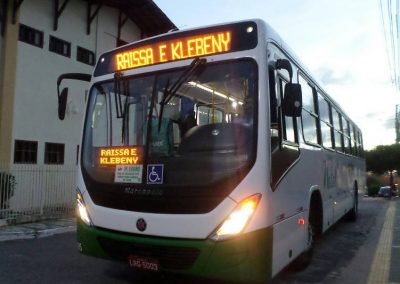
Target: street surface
x=345 y=254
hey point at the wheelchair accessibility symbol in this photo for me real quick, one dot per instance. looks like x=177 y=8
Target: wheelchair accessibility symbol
x=155 y=174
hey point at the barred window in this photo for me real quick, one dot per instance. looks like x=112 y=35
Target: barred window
x=85 y=56
x=25 y=152
x=30 y=35
x=54 y=153
x=60 y=46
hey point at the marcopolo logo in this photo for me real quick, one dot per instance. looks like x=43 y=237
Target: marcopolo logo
x=141 y=224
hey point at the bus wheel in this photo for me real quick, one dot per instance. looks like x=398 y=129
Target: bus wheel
x=353 y=213
x=304 y=259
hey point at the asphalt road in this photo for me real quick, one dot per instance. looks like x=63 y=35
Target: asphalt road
x=343 y=255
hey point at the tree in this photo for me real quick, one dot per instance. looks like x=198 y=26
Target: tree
x=384 y=158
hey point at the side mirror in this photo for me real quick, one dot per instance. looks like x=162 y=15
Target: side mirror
x=292 y=100
x=62 y=103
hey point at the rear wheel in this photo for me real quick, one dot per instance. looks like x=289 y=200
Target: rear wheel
x=353 y=213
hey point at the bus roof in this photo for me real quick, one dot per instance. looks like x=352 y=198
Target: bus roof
x=264 y=30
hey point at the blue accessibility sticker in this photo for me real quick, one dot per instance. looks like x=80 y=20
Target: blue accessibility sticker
x=155 y=174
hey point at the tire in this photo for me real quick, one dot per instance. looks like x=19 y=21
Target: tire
x=304 y=259
x=353 y=213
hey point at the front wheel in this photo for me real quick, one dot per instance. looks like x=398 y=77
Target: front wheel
x=304 y=259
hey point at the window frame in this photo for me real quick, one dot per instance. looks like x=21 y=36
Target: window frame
x=281 y=81
x=57 y=45
x=82 y=53
x=25 y=152
x=338 y=130
x=59 y=155
x=322 y=120
x=313 y=114
x=27 y=34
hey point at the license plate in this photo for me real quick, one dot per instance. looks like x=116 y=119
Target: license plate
x=144 y=263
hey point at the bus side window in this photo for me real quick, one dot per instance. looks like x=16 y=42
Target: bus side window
x=273 y=109
x=309 y=114
x=346 y=134
x=289 y=124
x=337 y=124
x=273 y=97
x=325 y=122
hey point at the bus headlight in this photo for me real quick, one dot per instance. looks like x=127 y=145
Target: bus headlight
x=83 y=214
x=238 y=219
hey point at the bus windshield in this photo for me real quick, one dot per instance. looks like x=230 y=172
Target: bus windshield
x=192 y=126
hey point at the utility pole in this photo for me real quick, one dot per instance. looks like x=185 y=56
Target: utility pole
x=397 y=123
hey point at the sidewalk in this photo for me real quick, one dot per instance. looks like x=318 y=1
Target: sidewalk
x=384 y=268
x=37 y=230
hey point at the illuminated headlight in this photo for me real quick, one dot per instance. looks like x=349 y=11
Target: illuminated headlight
x=238 y=219
x=83 y=214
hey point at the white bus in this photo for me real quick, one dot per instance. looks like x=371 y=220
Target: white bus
x=212 y=152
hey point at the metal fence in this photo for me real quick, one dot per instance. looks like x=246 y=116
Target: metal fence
x=32 y=192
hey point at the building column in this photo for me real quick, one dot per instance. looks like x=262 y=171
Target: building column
x=8 y=60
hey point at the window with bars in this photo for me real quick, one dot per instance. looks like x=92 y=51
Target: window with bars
x=60 y=46
x=85 y=56
x=30 y=35
x=54 y=153
x=25 y=152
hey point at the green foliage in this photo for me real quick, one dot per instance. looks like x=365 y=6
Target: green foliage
x=373 y=185
x=383 y=158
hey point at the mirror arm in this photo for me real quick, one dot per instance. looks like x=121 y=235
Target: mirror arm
x=62 y=98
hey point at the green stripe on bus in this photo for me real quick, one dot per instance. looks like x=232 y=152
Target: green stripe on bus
x=246 y=258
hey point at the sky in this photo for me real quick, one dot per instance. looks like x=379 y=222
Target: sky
x=341 y=42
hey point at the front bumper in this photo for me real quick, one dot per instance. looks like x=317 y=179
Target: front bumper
x=246 y=258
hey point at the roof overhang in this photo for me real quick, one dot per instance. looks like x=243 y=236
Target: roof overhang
x=150 y=19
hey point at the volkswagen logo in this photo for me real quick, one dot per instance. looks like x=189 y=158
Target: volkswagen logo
x=141 y=224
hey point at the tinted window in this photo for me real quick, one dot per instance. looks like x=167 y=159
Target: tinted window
x=25 y=152
x=325 y=122
x=309 y=116
x=60 y=46
x=30 y=35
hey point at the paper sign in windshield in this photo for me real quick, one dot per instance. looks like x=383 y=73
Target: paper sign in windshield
x=128 y=173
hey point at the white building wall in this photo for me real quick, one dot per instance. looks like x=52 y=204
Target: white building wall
x=35 y=113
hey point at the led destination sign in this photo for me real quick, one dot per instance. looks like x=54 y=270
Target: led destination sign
x=180 y=45
x=119 y=156
x=188 y=47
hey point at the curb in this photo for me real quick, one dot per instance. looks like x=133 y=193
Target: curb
x=35 y=230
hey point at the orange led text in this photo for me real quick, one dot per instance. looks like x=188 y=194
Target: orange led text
x=182 y=48
x=118 y=156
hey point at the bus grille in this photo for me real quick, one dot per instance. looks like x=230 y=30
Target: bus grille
x=169 y=257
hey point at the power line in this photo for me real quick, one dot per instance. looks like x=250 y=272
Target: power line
x=390 y=23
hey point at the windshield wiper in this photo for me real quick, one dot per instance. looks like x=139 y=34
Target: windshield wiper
x=185 y=77
x=167 y=95
x=125 y=113
x=122 y=111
